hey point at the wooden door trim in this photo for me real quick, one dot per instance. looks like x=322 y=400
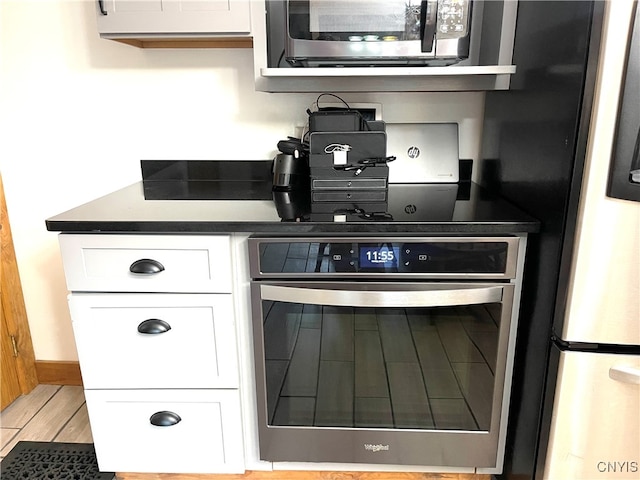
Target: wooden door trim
x=10 y=388
x=13 y=303
x=59 y=373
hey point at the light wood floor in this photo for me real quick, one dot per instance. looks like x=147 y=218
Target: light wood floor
x=51 y=413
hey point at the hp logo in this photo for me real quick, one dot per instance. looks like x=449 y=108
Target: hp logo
x=413 y=152
x=410 y=208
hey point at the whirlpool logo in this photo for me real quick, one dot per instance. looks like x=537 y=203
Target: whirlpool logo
x=376 y=448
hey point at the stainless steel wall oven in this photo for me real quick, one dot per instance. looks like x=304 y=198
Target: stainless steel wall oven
x=385 y=350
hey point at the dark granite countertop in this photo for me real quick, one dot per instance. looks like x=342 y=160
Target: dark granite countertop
x=411 y=208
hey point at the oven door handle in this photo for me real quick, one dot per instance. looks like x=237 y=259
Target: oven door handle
x=436 y=297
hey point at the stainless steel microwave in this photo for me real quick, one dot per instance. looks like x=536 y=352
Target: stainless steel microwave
x=313 y=33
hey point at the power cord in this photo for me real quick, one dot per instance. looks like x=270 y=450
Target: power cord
x=360 y=212
x=364 y=163
x=330 y=95
x=337 y=147
x=359 y=114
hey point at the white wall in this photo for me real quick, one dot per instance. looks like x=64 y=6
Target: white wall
x=78 y=113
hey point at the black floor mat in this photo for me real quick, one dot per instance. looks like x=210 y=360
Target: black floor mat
x=52 y=461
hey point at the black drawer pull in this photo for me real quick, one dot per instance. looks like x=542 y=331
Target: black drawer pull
x=101 y=7
x=146 y=266
x=164 y=419
x=153 y=326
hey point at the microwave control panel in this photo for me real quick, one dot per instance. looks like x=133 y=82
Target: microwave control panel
x=453 y=19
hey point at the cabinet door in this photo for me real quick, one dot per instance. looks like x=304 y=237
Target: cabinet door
x=173 y=16
x=207 y=437
x=155 y=340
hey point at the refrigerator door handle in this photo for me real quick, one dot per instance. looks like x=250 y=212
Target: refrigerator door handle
x=625 y=374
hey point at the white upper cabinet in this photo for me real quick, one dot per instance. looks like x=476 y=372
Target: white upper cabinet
x=173 y=18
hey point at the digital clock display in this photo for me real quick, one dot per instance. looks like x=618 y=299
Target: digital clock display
x=379 y=256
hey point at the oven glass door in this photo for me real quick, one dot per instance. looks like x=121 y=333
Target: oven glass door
x=382 y=357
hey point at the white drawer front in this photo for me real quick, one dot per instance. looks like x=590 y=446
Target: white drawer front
x=197 y=351
x=189 y=263
x=207 y=439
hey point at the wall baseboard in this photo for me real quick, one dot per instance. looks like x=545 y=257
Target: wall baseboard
x=58 y=373
x=306 y=475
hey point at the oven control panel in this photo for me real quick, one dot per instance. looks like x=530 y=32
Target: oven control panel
x=320 y=257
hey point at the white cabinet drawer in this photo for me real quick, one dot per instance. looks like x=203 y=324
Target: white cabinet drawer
x=207 y=439
x=166 y=263
x=155 y=340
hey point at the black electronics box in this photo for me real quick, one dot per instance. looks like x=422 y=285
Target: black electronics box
x=336 y=121
x=348 y=184
x=351 y=172
x=361 y=146
x=342 y=196
x=347 y=163
x=352 y=210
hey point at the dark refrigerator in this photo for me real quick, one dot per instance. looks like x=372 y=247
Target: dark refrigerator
x=538 y=152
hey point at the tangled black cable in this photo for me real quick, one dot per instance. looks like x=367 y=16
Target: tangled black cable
x=364 y=163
